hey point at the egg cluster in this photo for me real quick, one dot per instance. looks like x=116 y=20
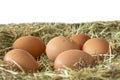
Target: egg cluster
x=74 y=52
x=79 y=49
x=25 y=50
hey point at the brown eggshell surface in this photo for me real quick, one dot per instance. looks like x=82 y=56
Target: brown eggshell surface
x=59 y=44
x=22 y=58
x=80 y=39
x=96 y=46
x=35 y=46
x=70 y=57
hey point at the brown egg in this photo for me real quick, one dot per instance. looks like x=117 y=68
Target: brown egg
x=70 y=57
x=59 y=44
x=24 y=60
x=35 y=46
x=80 y=39
x=96 y=46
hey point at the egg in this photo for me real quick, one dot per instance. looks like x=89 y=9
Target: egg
x=70 y=57
x=34 y=45
x=21 y=59
x=96 y=46
x=80 y=39
x=59 y=44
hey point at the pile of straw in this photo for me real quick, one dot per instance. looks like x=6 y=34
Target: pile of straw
x=109 y=69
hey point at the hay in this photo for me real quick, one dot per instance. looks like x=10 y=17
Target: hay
x=109 y=69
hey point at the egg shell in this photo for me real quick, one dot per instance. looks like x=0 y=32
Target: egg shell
x=34 y=45
x=59 y=44
x=80 y=39
x=96 y=46
x=70 y=57
x=22 y=58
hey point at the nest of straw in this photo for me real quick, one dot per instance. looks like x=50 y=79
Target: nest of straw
x=109 y=69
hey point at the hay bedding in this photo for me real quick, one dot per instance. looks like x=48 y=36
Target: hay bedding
x=109 y=69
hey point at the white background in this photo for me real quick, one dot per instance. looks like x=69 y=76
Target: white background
x=69 y=11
